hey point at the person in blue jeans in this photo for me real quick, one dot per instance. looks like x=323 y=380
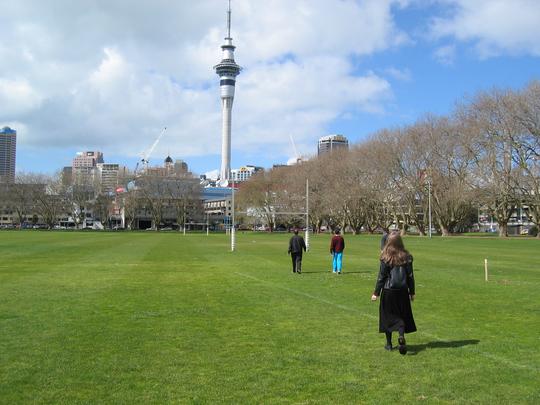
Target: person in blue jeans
x=337 y=246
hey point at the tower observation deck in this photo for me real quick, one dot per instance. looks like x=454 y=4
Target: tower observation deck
x=227 y=70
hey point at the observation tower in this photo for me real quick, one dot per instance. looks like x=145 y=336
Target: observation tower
x=227 y=70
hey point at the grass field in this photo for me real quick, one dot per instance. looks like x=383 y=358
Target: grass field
x=164 y=318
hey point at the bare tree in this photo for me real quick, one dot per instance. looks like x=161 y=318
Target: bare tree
x=183 y=197
x=377 y=157
x=449 y=162
x=79 y=198
x=50 y=203
x=130 y=202
x=492 y=128
x=102 y=207
x=346 y=196
x=526 y=143
x=261 y=195
x=20 y=197
x=152 y=190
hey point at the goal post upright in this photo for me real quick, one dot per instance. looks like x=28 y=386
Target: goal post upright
x=307 y=214
x=233 y=236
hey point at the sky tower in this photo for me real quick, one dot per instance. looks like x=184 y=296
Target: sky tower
x=227 y=71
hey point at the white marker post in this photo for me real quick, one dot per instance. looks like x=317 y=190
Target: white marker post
x=486 y=269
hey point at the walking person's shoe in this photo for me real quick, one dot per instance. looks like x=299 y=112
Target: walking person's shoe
x=402 y=345
x=388 y=347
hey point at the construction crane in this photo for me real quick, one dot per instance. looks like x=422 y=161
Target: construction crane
x=145 y=156
x=297 y=158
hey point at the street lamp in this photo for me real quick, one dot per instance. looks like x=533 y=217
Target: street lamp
x=429 y=205
x=233 y=238
x=307 y=214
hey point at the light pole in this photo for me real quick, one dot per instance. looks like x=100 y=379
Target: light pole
x=233 y=238
x=307 y=214
x=429 y=205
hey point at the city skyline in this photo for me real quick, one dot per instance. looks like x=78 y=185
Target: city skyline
x=312 y=68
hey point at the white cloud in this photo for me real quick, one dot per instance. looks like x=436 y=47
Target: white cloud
x=111 y=75
x=17 y=96
x=403 y=75
x=495 y=27
x=445 y=55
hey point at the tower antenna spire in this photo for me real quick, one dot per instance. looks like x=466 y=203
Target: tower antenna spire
x=229 y=20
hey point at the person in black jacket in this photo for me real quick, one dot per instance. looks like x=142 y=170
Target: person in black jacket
x=384 y=238
x=396 y=281
x=296 y=246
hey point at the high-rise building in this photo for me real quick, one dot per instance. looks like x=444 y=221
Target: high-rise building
x=8 y=149
x=84 y=167
x=180 y=167
x=331 y=143
x=108 y=176
x=227 y=70
x=67 y=176
x=244 y=173
x=87 y=159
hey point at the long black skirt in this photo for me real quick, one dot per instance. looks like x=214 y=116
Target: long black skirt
x=395 y=312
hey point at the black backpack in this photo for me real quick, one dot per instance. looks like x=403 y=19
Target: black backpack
x=398 y=278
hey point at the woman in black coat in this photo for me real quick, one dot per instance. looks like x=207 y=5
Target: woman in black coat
x=396 y=281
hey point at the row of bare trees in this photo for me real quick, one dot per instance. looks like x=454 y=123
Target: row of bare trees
x=173 y=199
x=34 y=198
x=485 y=155
x=42 y=198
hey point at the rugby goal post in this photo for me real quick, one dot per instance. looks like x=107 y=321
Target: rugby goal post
x=204 y=224
x=306 y=214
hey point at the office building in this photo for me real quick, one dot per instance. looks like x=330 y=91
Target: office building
x=8 y=149
x=67 y=175
x=87 y=159
x=180 y=167
x=330 y=143
x=84 y=167
x=244 y=173
x=108 y=176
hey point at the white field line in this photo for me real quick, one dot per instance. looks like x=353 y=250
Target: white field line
x=314 y=297
x=498 y=359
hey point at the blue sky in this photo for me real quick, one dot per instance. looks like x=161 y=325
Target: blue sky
x=109 y=76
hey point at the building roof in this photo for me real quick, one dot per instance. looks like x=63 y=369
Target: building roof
x=333 y=137
x=8 y=131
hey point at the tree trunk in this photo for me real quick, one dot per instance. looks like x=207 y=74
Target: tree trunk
x=503 y=230
x=445 y=231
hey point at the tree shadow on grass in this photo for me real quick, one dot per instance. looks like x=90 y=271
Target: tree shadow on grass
x=415 y=349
